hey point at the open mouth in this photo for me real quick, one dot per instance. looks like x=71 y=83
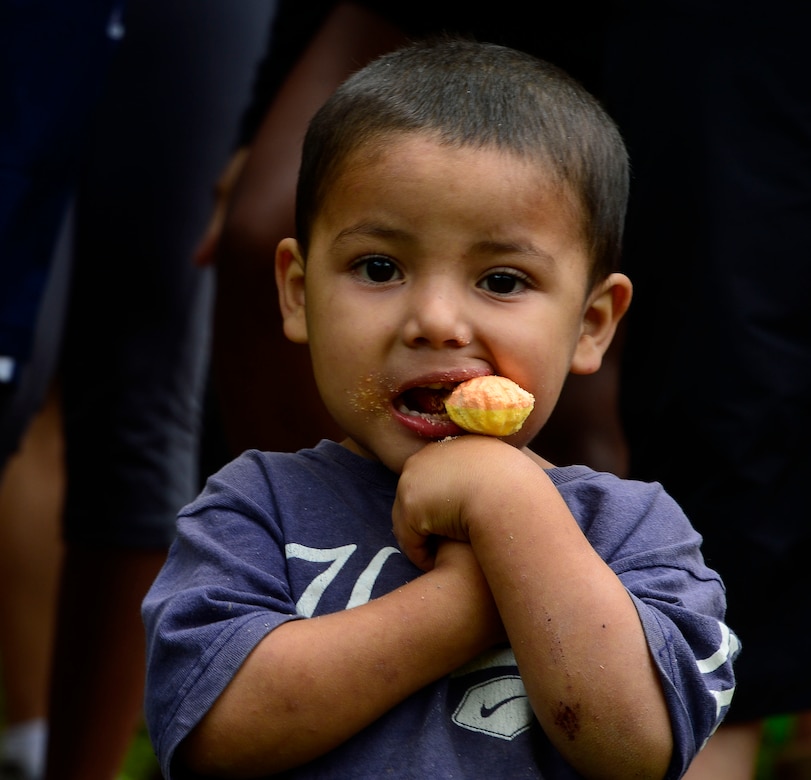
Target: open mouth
x=427 y=401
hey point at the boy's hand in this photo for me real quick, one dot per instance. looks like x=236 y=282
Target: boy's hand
x=438 y=489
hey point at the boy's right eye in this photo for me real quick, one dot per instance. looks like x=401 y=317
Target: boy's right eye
x=378 y=269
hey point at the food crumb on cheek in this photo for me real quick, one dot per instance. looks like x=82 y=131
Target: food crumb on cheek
x=366 y=397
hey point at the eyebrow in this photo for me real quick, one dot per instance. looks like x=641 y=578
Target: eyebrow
x=371 y=230
x=494 y=247
x=485 y=246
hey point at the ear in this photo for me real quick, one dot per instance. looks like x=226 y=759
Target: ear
x=606 y=306
x=290 y=281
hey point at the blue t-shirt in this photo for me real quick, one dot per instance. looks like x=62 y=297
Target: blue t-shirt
x=275 y=537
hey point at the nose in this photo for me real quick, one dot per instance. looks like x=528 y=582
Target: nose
x=437 y=318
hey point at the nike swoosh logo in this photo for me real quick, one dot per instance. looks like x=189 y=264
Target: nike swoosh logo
x=486 y=711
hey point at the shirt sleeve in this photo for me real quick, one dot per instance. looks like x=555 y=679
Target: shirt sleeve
x=647 y=540
x=214 y=600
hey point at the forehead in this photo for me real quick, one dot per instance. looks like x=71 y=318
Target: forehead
x=419 y=172
x=403 y=147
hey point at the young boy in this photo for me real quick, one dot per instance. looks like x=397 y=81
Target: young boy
x=413 y=602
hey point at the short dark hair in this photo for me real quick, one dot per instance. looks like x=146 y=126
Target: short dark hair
x=483 y=95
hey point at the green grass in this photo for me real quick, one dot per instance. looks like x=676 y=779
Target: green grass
x=776 y=734
x=140 y=763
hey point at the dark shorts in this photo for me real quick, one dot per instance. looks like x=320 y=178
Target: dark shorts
x=54 y=62
x=135 y=340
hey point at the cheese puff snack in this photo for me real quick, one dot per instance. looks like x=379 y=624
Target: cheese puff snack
x=491 y=405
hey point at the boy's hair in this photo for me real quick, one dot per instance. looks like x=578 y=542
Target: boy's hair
x=476 y=94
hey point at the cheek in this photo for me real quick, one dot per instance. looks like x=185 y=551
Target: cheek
x=327 y=319
x=344 y=337
x=340 y=349
x=541 y=365
x=346 y=325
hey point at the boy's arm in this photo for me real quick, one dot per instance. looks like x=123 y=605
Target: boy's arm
x=312 y=684
x=573 y=627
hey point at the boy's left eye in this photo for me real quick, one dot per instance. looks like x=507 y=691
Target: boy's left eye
x=377 y=268
x=503 y=282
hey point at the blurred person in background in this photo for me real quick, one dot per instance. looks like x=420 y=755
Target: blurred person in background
x=131 y=350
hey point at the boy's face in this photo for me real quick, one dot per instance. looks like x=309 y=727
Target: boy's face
x=429 y=265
